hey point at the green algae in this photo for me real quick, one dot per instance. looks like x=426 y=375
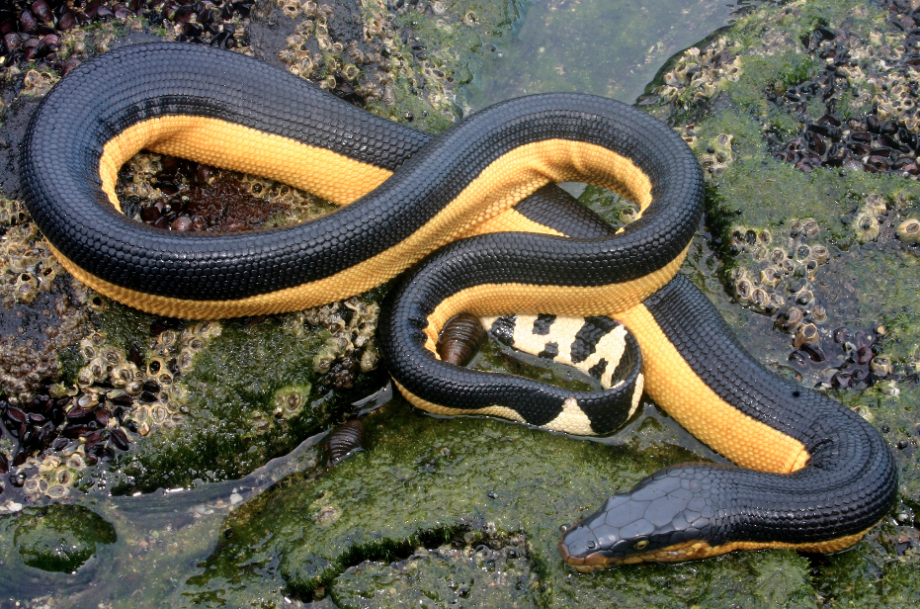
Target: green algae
x=885 y=576
x=893 y=408
x=755 y=192
x=495 y=573
x=451 y=37
x=57 y=538
x=871 y=283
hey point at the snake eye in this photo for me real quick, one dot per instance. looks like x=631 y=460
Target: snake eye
x=641 y=544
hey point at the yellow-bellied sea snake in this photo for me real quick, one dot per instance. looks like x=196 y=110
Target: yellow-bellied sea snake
x=812 y=475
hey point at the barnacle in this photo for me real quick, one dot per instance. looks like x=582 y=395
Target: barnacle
x=805 y=334
x=718 y=156
x=875 y=205
x=289 y=401
x=909 y=231
x=743 y=289
x=700 y=74
x=819 y=254
x=777 y=255
x=866 y=227
x=881 y=366
x=771 y=277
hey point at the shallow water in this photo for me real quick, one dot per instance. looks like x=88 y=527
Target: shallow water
x=612 y=49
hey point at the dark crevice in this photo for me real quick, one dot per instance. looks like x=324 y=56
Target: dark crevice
x=384 y=550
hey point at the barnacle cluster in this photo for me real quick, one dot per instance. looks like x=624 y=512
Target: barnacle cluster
x=27 y=266
x=868 y=90
x=778 y=274
x=699 y=74
x=38 y=83
x=57 y=473
x=886 y=222
x=25 y=367
x=311 y=53
x=117 y=395
x=47 y=458
x=29 y=351
x=866 y=223
x=28 y=270
x=422 y=73
x=149 y=380
x=774 y=272
x=715 y=155
x=351 y=346
x=377 y=63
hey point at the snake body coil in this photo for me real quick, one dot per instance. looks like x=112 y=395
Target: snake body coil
x=813 y=475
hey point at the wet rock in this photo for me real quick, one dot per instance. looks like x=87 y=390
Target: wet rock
x=474 y=569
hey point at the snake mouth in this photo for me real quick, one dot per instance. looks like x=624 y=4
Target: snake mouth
x=595 y=561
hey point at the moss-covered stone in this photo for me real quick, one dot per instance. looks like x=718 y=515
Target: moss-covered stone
x=494 y=573
x=60 y=537
x=864 y=283
x=485 y=486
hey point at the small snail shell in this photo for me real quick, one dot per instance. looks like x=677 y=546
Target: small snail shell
x=460 y=338
x=344 y=441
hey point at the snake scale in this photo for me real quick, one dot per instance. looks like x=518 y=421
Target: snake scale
x=473 y=213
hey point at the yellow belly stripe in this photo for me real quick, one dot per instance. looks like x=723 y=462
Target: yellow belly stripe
x=674 y=386
x=696 y=550
x=512 y=220
x=324 y=173
x=494 y=411
x=571 y=420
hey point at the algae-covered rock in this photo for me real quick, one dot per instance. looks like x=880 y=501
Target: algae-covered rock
x=469 y=509
x=789 y=262
x=60 y=537
x=494 y=573
x=255 y=391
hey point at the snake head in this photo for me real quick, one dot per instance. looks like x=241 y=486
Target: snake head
x=665 y=519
